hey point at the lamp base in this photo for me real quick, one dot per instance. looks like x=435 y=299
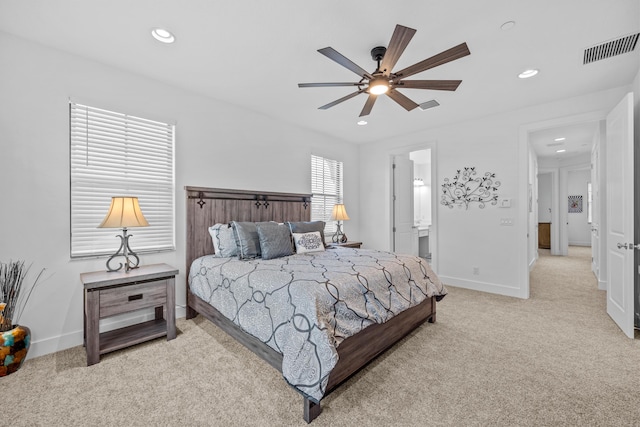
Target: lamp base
x=125 y=251
x=339 y=236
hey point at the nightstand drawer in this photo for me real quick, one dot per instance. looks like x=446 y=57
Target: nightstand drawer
x=128 y=298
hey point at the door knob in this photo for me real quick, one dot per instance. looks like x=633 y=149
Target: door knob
x=629 y=246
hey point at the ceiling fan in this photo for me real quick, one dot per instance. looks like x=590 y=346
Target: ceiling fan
x=383 y=80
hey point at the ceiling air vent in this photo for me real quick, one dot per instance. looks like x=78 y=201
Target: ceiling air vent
x=611 y=48
x=428 y=104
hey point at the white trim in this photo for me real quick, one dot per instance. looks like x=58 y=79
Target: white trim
x=523 y=164
x=435 y=194
x=494 y=288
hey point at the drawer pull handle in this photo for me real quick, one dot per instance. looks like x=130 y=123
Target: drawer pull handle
x=135 y=297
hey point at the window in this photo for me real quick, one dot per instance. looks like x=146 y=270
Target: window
x=115 y=154
x=326 y=189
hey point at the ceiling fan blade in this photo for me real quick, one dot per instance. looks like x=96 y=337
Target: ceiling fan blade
x=404 y=102
x=328 y=84
x=338 y=101
x=368 y=105
x=333 y=54
x=399 y=41
x=449 y=55
x=428 y=84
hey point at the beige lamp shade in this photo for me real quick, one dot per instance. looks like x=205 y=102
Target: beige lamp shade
x=339 y=213
x=124 y=212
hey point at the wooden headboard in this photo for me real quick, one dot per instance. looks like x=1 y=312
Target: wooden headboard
x=208 y=206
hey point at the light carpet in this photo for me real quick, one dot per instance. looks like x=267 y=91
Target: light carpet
x=554 y=359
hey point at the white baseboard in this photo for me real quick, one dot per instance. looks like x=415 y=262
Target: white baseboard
x=580 y=243
x=76 y=338
x=602 y=285
x=482 y=286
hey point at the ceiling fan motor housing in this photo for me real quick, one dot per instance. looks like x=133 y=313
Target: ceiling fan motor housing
x=377 y=53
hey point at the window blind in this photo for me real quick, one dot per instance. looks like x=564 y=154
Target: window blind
x=326 y=190
x=115 y=154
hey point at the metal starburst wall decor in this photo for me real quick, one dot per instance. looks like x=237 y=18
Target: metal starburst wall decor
x=467 y=188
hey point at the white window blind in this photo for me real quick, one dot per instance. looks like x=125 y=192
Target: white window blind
x=326 y=189
x=114 y=154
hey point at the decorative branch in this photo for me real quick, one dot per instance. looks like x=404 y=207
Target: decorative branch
x=467 y=188
x=12 y=293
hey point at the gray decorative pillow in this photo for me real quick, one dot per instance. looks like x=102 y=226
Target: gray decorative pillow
x=306 y=227
x=247 y=239
x=275 y=240
x=308 y=242
x=224 y=242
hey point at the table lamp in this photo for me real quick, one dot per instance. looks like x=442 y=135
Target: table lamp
x=339 y=214
x=124 y=213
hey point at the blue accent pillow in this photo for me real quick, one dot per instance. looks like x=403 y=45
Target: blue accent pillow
x=224 y=242
x=275 y=240
x=247 y=239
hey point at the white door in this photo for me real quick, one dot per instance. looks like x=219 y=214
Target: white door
x=594 y=204
x=405 y=235
x=619 y=173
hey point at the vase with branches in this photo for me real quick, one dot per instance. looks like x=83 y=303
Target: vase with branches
x=14 y=295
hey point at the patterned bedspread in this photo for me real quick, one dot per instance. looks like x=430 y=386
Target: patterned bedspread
x=304 y=306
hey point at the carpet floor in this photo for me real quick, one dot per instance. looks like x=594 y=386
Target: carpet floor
x=554 y=359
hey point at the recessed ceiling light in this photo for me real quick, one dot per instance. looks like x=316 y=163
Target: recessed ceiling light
x=507 y=25
x=562 y=138
x=528 y=73
x=561 y=151
x=362 y=123
x=163 y=35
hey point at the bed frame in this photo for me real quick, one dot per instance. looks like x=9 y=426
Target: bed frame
x=208 y=206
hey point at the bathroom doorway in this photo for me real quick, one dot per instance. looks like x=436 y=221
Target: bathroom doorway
x=422 y=200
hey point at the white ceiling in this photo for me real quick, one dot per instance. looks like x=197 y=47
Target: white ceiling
x=252 y=53
x=578 y=139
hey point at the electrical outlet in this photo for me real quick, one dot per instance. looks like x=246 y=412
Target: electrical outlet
x=476 y=271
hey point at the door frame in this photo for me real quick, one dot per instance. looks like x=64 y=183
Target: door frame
x=555 y=207
x=433 y=230
x=523 y=162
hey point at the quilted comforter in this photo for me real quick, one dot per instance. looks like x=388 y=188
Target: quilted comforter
x=304 y=306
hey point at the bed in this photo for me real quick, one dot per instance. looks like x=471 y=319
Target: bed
x=373 y=318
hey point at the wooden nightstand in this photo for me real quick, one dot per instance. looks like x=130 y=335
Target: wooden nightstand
x=348 y=244
x=109 y=293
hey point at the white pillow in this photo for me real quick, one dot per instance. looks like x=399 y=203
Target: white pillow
x=308 y=242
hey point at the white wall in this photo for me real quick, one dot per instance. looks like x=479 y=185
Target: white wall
x=217 y=145
x=579 y=229
x=473 y=238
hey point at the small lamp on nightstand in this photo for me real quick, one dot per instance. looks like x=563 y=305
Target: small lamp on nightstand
x=124 y=213
x=339 y=214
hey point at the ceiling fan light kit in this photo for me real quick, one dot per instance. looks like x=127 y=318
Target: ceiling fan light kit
x=383 y=80
x=378 y=85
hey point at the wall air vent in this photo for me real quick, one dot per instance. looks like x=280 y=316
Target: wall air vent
x=611 y=48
